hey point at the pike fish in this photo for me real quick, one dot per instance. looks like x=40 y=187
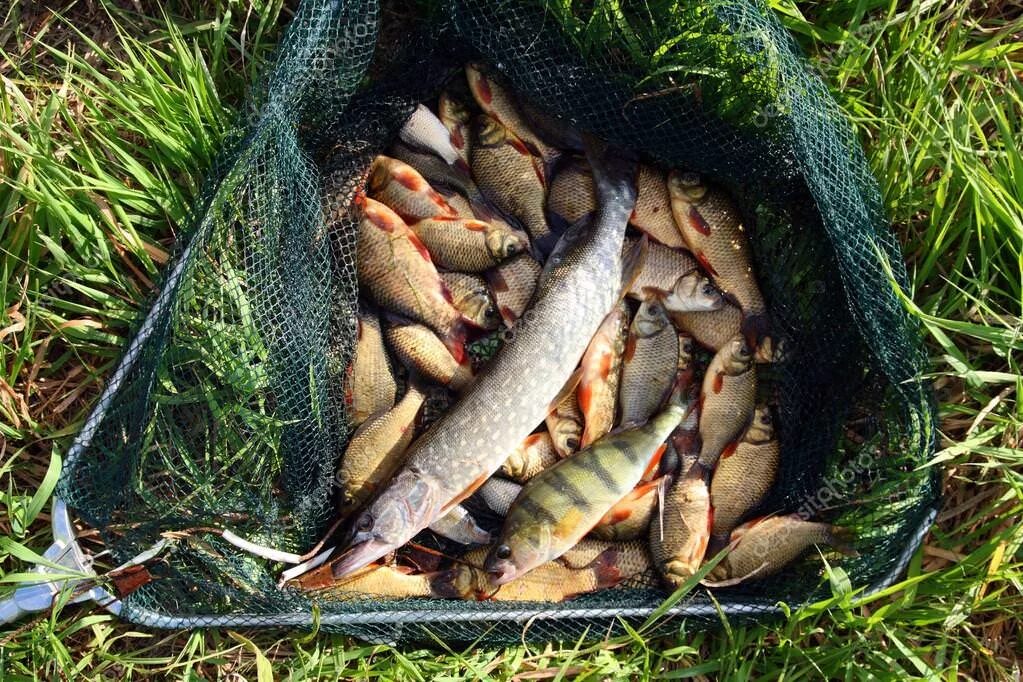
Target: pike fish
x=679 y=534
x=402 y=189
x=648 y=364
x=394 y=265
x=559 y=506
x=762 y=547
x=514 y=391
x=425 y=132
x=468 y=245
x=511 y=178
x=629 y=519
x=565 y=424
x=675 y=276
x=741 y=480
x=471 y=297
x=532 y=456
x=591 y=566
x=496 y=101
x=513 y=283
x=726 y=401
x=710 y=224
x=421 y=351
x=377 y=449
x=370 y=383
x=601 y=370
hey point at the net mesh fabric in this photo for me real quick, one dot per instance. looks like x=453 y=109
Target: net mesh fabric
x=230 y=412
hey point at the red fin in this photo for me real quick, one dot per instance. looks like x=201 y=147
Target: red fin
x=475 y=225
x=358 y=328
x=697 y=222
x=618 y=514
x=497 y=281
x=729 y=450
x=482 y=88
x=360 y=198
x=655 y=460
x=383 y=217
x=464 y=495
x=705 y=264
x=409 y=178
x=508 y=314
x=455 y=342
x=719 y=382
x=584 y=395
x=754 y=329
x=630 y=349
x=458 y=142
x=424 y=252
x=519 y=146
x=605 y=567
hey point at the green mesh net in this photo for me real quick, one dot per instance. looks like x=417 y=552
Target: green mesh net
x=227 y=409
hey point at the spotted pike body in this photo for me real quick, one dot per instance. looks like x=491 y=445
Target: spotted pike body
x=512 y=394
x=562 y=504
x=370 y=384
x=601 y=371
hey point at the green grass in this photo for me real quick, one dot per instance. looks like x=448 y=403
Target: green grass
x=88 y=217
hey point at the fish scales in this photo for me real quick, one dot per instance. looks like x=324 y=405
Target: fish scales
x=512 y=394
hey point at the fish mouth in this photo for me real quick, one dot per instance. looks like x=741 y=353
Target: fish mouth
x=359 y=555
x=501 y=572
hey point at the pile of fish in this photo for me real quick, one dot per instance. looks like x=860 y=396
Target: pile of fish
x=536 y=310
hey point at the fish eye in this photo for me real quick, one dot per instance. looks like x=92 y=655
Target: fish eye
x=708 y=289
x=365 y=523
x=503 y=552
x=654 y=309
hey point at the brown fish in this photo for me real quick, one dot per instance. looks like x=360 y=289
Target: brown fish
x=726 y=401
x=572 y=195
x=496 y=101
x=679 y=534
x=711 y=226
x=513 y=283
x=419 y=349
x=396 y=268
x=377 y=449
x=762 y=547
x=471 y=297
x=648 y=364
x=511 y=178
x=370 y=384
x=372 y=582
x=535 y=454
x=711 y=329
x=402 y=189
x=741 y=480
x=468 y=245
x=590 y=566
x=565 y=424
x=675 y=276
x=652 y=214
x=630 y=518
x=601 y=369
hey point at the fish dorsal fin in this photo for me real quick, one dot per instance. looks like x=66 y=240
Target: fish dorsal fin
x=633 y=260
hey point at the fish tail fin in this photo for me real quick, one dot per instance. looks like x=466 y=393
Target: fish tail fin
x=442 y=584
x=699 y=471
x=455 y=341
x=605 y=568
x=841 y=539
x=614 y=172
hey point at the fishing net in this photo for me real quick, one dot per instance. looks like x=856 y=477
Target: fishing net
x=227 y=412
